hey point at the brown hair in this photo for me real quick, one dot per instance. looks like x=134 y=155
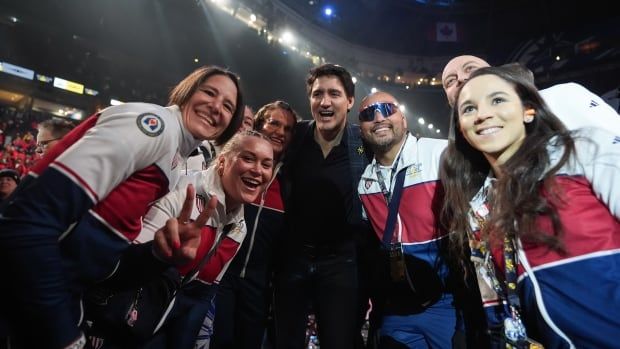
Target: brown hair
x=183 y=91
x=263 y=113
x=58 y=128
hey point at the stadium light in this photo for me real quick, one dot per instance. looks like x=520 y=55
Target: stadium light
x=287 y=37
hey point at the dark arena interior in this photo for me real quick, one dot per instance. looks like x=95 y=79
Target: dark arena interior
x=77 y=62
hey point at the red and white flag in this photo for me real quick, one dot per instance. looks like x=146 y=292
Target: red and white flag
x=446 y=32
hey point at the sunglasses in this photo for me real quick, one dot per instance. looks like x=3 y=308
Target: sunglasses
x=385 y=108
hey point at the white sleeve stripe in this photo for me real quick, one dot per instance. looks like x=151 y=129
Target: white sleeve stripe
x=576 y=259
x=112 y=229
x=540 y=303
x=77 y=180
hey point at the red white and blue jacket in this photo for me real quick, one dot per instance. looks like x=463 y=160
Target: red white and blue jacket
x=207 y=184
x=190 y=320
x=78 y=210
x=570 y=300
x=417 y=220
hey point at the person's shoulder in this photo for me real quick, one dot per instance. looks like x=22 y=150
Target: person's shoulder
x=302 y=128
x=302 y=125
x=150 y=119
x=589 y=142
x=597 y=134
x=137 y=108
x=146 y=113
x=432 y=142
x=565 y=90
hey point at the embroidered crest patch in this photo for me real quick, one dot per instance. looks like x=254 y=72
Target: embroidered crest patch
x=150 y=124
x=414 y=170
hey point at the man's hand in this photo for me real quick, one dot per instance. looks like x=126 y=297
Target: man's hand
x=177 y=242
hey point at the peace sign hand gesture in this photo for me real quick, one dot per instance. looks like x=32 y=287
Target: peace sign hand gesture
x=177 y=242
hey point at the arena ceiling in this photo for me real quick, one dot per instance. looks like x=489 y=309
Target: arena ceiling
x=482 y=26
x=137 y=49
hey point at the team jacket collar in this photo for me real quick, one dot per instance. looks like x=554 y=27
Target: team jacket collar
x=187 y=142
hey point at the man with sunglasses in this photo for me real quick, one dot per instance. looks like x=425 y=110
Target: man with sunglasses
x=318 y=260
x=415 y=301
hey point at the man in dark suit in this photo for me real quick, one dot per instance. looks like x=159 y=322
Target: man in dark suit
x=319 y=262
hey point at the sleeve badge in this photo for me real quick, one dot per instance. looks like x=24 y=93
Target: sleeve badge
x=150 y=124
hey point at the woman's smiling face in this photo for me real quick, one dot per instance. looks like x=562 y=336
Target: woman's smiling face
x=208 y=112
x=491 y=117
x=245 y=172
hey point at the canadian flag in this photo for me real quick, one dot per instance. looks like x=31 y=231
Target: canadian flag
x=446 y=32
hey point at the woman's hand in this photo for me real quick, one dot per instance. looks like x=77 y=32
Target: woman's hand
x=177 y=242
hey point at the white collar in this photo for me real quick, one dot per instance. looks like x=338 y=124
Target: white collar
x=187 y=142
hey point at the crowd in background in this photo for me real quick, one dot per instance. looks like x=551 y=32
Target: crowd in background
x=19 y=149
x=17 y=140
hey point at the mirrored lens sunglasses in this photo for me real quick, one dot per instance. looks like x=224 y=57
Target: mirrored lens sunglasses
x=385 y=108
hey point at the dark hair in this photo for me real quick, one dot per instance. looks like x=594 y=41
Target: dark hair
x=183 y=91
x=517 y=200
x=57 y=127
x=518 y=68
x=10 y=173
x=329 y=69
x=263 y=113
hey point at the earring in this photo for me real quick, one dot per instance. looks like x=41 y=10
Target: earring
x=220 y=170
x=529 y=116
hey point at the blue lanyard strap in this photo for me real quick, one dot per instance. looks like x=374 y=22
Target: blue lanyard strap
x=393 y=204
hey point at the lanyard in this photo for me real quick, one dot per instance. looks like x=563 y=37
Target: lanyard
x=384 y=189
x=514 y=330
x=386 y=192
x=392 y=198
x=393 y=204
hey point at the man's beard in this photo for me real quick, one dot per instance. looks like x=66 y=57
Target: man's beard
x=384 y=145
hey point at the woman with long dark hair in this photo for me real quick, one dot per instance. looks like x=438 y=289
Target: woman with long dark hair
x=536 y=209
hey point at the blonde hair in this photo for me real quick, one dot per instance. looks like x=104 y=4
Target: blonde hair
x=233 y=146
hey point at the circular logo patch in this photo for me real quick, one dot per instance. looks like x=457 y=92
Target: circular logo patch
x=150 y=124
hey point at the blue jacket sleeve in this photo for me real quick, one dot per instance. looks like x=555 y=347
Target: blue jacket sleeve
x=37 y=299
